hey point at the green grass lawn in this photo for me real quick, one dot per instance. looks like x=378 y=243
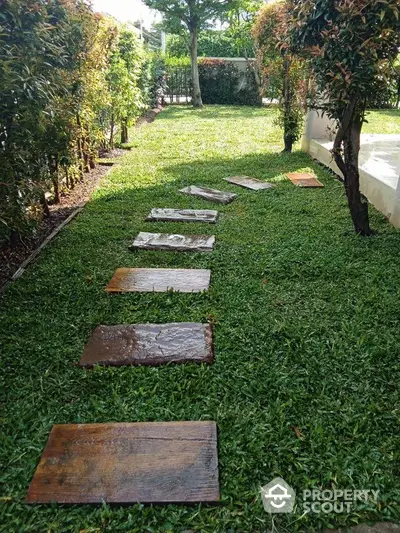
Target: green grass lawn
x=383 y=121
x=305 y=383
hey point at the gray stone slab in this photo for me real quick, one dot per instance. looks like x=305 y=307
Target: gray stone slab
x=174 y=242
x=159 y=280
x=213 y=195
x=149 y=344
x=249 y=183
x=183 y=215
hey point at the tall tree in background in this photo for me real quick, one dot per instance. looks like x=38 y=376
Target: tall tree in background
x=191 y=16
x=352 y=46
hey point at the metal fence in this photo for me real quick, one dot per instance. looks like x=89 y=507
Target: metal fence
x=179 y=85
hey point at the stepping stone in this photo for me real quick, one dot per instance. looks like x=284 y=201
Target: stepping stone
x=220 y=197
x=249 y=183
x=159 y=280
x=304 y=179
x=149 y=344
x=183 y=215
x=153 y=462
x=165 y=241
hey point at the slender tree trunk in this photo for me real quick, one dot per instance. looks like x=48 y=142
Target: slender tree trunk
x=45 y=205
x=124 y=131
x=54 y=179
x=357 y=205
x=79 y=146
x=349 y=134
x=287 y=135
x=196 y=94
x=112 y=125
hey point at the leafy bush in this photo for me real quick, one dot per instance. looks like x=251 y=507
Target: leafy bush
x=69 y=79
x=219 y=83
x=211 y=43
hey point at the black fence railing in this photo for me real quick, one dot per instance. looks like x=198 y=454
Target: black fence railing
x=179 y=85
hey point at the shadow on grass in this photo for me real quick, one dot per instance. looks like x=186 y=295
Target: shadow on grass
x=209 y=111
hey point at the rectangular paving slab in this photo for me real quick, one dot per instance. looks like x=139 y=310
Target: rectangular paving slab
x=159 y=280
x=166 y=241
x=149 y=344
x=183 y=215
x=154 y=462
x=304 y=179
x=249 y=183
x=213 y=195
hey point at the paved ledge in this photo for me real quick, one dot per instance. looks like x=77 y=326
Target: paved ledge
x=379 y=170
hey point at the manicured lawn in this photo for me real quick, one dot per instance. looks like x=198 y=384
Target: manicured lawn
x=383 y=121
x=305 y=384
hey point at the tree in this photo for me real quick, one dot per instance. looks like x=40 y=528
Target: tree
x=191 y=16
x=282 y=74
x=353 y=45
x=241 y=20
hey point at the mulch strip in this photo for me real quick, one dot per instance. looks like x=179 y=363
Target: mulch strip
x=13 y=257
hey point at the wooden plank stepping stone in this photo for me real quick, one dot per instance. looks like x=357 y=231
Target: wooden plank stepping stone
x=304 y=179
x=249 y=183
x=213 y=195
x=183 y=215
x=153 y=462
x=159 y=280
x=165 y=241
x=149 y=344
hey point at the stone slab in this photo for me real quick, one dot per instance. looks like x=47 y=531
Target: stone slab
x=213 y=195
x=304 y=179
x=154 y=462
x=149 y=344
x=249 y=183
x=159 y=280
x=174 y=242
x=183 y=215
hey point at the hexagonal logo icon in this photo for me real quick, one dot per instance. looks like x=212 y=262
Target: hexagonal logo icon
x=278 y=497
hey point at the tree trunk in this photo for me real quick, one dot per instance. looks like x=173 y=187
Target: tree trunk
x=196 y=93
x=357 y=205
x=124 y=131
x=287 y=134
x=54 y=179
x=44 y=204
x=349 y=133
x=79 y=146
x=112 y=125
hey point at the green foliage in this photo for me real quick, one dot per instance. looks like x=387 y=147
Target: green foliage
x=187 y=18
x=68 y=77
x=283 y=76
x=353 y=47
x=153 y=80
x=220 y=83
x=211 y=43
x=302 y=339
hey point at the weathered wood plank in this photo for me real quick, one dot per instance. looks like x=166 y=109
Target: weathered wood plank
x=149 y=344
x=183 y=215
x=213 y=195
x=155 y=462
x=159 y=280
x=304 y=179
x=249 y=183
x=174 y=242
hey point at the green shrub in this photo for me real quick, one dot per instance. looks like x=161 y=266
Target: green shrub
x=219 y=83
